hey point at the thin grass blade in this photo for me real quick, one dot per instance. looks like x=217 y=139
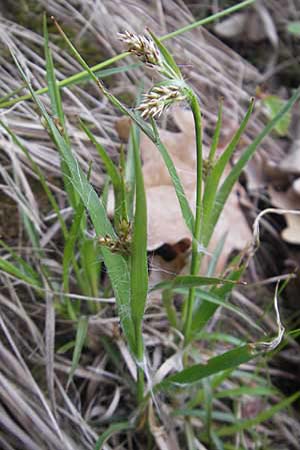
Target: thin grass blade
x=168 y=58
x=152 y=133
x=81 y=333
x=111 y=430
x=236 y=171
x=139 y=266
x=191 y=281
x=206 y=310
x=213 y=179
x=241 y=425
x=16 y=272
x=197 y=372
x=116 y=265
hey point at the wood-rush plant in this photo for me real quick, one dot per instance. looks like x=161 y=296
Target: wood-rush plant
x=124 y=243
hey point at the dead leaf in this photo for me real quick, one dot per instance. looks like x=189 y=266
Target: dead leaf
x=296 y=186
x=288 y=200
x=253 y=25
x=165 y=222
x=122 y=126
x=232 y=26
x=291 y=163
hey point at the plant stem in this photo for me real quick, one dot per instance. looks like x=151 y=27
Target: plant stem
x=140 y=385
x=208 y=19
x=196 y=256
x=78 y=77
x=167 y=297
x=140 y=370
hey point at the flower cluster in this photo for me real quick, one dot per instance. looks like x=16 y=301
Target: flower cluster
x=141 y=46
x=159 y=99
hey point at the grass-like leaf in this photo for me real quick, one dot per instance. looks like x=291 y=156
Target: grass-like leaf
x=241 y=425
x=69 y=249
x=115 y=263
x=112 y=429
x=26 y=268
x=98 y=69
x=216 y=300
x=57 y=112
x=54 y=92
x=169 y=61
x=139 y=267
x=197 y=372
x=206 y=309
x=213 y=179
x=81 y=333
x=226 y=187
x=15 y=271
x=190 y=281
x=106 y=159
x=152 y=133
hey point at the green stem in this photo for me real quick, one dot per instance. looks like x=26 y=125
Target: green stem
x=140 y=385
x=167 y=297
x=76 y=78
x=196 y=255
x=209 y=19
x=140 y=370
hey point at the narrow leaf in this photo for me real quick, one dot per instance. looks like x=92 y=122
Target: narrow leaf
x=81 y=333
x=206 y=309
x=139 y=267
x=13 y=270
x=106 y=159
x=228 y=360
x=112 y=429
x=236 y=171
x=190 y=281
x=168 y=58
x=241 y=425
x=115 y=263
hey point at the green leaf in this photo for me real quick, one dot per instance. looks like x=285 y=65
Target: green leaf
x=241 y=425
x=274 y=104
x=206 y=309
x=216 y=136
x=114 y=174
x=190 y=281
x=213 y=179
x=139 y=266
x=152 y=134
x=294 y=28
x=13 y=270
x=167 y=57
x=130 y=170
x=182 y=199
x=106 y=159
x=197 y=372
x=231 y=179
x=57 y=112
x=257 y=391
x=90 y=263
x=112 y=429
x=116 y=265
x=69 y=249
x=219 y=301
x=81 y=333
x=98 y=68
x=53 y=88
x=25 y=267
